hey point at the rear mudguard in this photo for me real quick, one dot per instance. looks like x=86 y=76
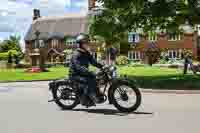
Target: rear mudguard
x=119 y=81
x=54 y=84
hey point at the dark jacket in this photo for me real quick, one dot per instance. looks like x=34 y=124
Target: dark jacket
x=80 y=62
x=188 y=60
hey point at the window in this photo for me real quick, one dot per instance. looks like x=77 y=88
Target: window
x=152 y=36
x=175 y=54
x=41 y=42
x=197 y=28
x=35 y=44
x=54 y=43
x=174 y=36
x=133 y=37
x=134 y=55
x=71 y=42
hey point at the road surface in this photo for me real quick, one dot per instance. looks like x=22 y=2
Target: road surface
x=24 y=109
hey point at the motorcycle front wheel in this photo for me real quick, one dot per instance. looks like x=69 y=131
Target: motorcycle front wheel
x=65 y=97
x=126 y=98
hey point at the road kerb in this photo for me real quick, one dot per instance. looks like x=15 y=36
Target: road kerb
x=186 y=91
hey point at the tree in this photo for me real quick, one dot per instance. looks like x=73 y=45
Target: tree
x=10 y=58
x=107 y=28
x=151 y=15
x=12 y=44
x=16 y=59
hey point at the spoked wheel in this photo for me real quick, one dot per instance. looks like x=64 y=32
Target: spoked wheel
x=126 y=99
x=65 y=97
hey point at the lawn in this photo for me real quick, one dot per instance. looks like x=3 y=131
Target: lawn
x=146 y=77
x=20 y=74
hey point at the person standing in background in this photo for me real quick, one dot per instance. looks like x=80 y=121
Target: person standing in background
x=111 y=55
x=187 y=61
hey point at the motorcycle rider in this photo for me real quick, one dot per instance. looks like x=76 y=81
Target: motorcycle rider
x=80 y=61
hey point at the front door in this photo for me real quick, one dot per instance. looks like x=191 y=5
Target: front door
x=34 y=61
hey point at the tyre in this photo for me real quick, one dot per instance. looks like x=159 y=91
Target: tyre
x=195 y=72
x=65 y=97
x=123 y=94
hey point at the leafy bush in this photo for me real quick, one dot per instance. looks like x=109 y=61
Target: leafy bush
x=122 y=60
x=163 y=61
x=4 y=56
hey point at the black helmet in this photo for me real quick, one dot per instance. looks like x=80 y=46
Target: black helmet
x=82 y=38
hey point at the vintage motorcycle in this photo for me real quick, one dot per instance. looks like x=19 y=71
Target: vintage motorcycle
x=121 y=92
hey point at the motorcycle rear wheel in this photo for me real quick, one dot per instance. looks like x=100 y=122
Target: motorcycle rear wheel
x=68 y=96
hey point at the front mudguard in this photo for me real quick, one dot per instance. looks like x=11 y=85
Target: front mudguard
x=120 y=81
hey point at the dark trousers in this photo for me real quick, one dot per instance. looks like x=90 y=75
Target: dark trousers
x=92 y=86
x=90 y=82
x=185 y=68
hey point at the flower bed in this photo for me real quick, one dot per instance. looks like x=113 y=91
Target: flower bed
x=34 y=70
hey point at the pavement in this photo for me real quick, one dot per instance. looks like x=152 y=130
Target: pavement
x=24 y=109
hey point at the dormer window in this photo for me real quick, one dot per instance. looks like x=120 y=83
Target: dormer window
x=54 y=43
x=71 y=42
x=133 y=37
x=152 y=36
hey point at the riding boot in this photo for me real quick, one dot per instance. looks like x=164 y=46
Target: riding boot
x=83 y=100
x=86 y=101
x=94 y=98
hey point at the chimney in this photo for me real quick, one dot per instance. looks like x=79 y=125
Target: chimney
x=91 y=4
x=36 y=14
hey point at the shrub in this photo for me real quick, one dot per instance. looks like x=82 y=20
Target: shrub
x=171 y=61
x=4 y=56
x=23 y=66
x=122 y=60
x=163 y=61
x=173 y=66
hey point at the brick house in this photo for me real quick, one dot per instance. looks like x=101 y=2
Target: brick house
x=172 y=45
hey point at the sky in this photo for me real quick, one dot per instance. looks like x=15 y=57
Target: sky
x=16 y=15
